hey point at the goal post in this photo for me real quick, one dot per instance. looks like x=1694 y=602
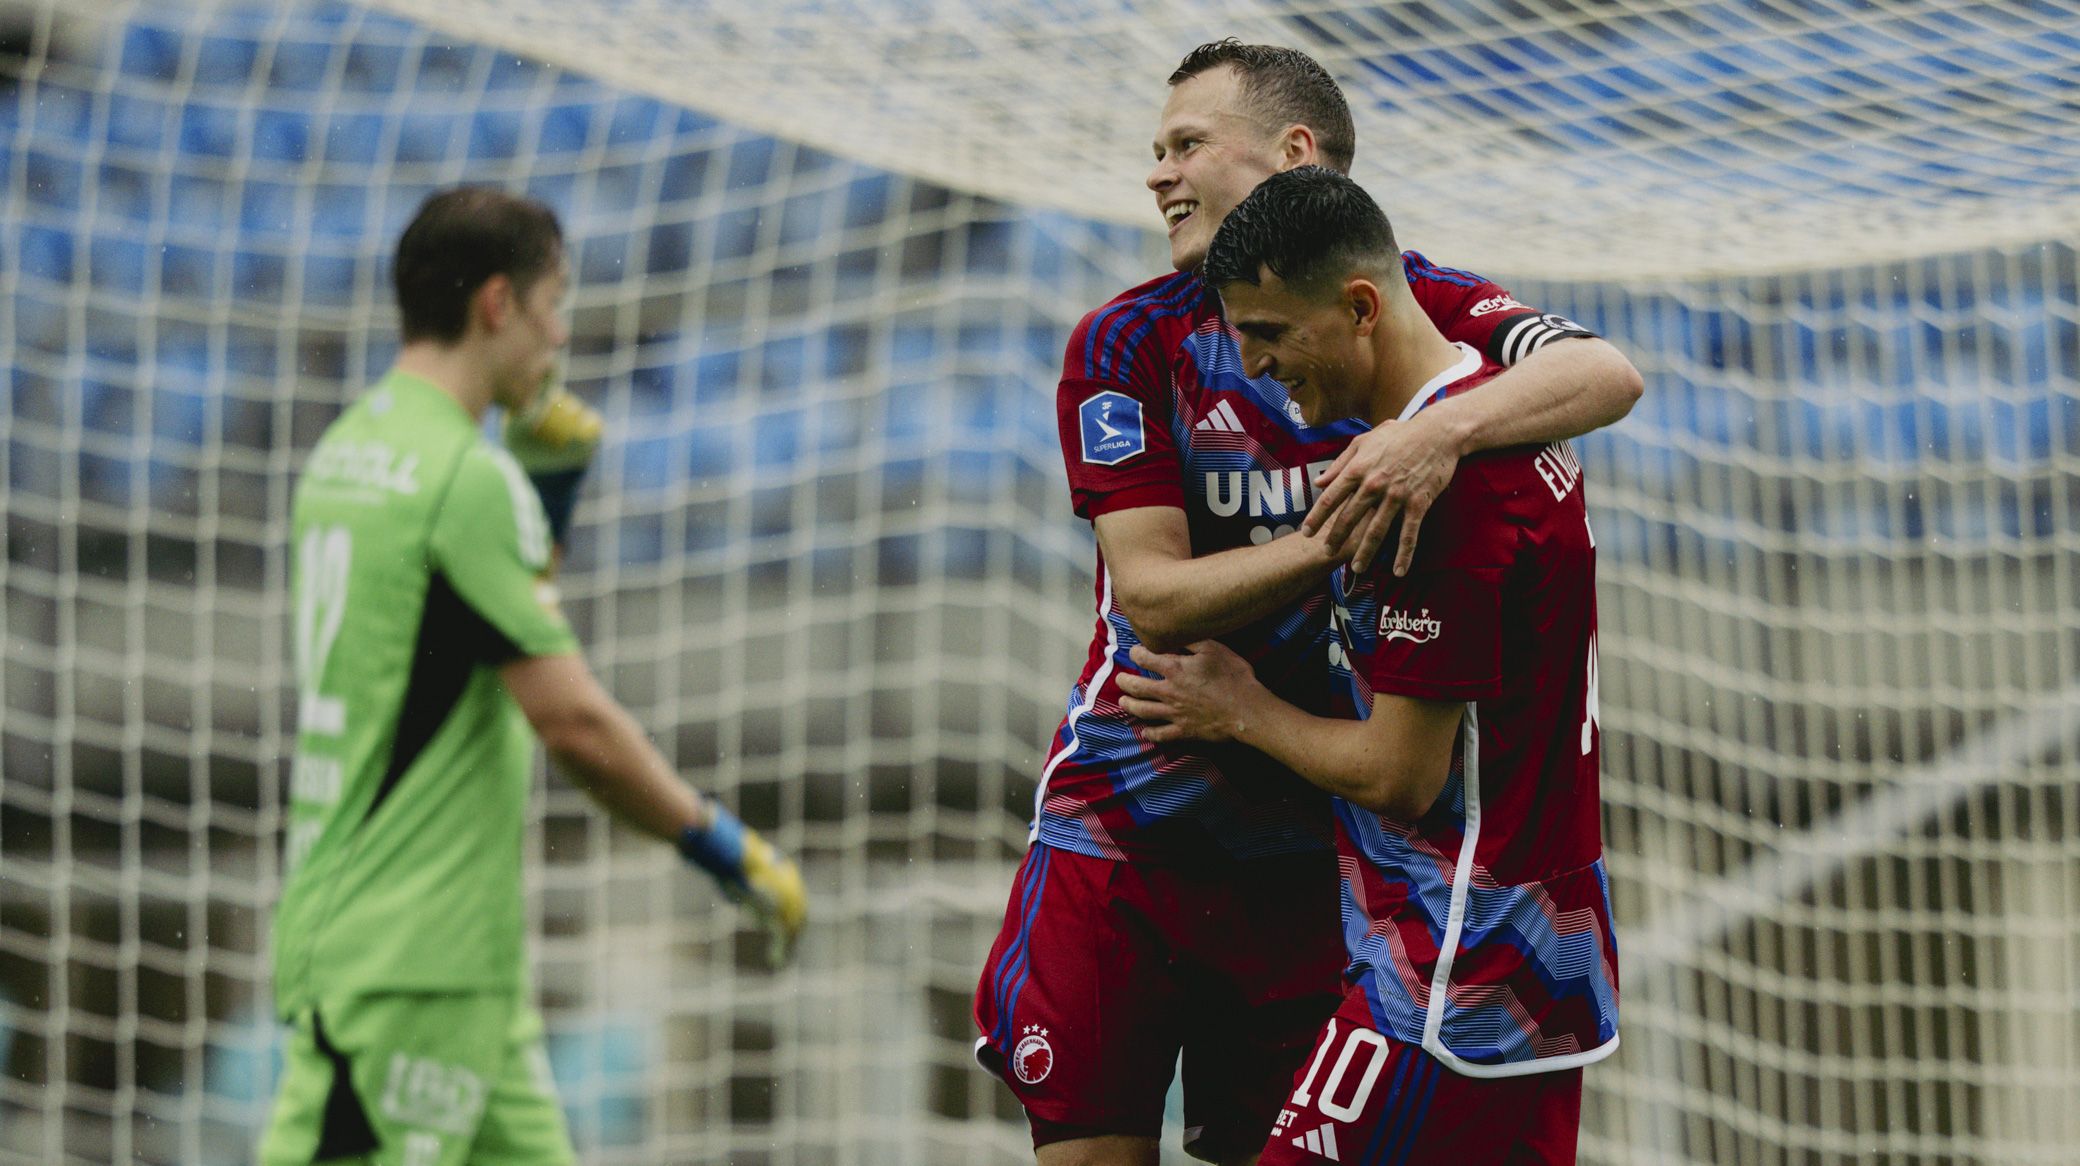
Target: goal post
x=826 y=258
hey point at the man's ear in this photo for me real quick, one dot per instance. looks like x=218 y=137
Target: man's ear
x=494 y=303
x=1297 y=148
x=1363 y=300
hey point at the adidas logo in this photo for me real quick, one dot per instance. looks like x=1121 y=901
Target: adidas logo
x=1320 y=1141
x=1222 y=419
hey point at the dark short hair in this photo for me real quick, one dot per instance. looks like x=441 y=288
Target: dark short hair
x=460 y=238
x=1283 y=86
x=1306 y=225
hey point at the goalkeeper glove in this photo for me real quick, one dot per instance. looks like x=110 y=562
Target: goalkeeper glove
x=752 y=873
x=554 y=439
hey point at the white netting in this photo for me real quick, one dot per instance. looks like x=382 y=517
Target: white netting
x=1567 y=139
x=827 y=555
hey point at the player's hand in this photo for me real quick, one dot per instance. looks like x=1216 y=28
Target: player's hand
x=1398 y=469
x=755 y=874
x=556 y=433
x=1203 y=693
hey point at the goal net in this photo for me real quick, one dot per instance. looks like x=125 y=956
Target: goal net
x=827 y=255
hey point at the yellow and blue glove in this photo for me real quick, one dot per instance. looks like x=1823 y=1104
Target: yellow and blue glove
x=754 y=874
x=554 y=439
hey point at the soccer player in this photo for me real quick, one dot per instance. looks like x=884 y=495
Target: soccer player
x=1476 y=911
x=428 y=641
x=1181 y=897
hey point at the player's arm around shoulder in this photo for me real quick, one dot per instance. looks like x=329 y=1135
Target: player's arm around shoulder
x=1173 y=597
x=1561 y=381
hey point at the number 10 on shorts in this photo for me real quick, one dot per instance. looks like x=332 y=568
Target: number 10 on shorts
x=1354 y=1057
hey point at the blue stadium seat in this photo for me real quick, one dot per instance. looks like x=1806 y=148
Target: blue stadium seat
x=208 y=130
x=783 y=367
x=281 y=135
x=866 y=199
x=602 y=258
x=801 y=219
x=510 y=71
x=300 y=66
x=46 y=254
x=62 y=113
x=226 y=61
x=736 y=233
x=670 y=248
x=107 y=408
x=180 y=406
x=330 y=279
x=187 y=272
x=115 y=264
x=55 y=181
x=635 y=120
x=339 y=210
x=135 y=121
x=151 y=53
x=776 y=438
x=751 y=162
x=494 y=135
x=267 y=209
x=711 y=450
x=905 y=420
x=109 y=480
x=683 y=175
x=259 y=275
x=423 y=136
x=123 y=200
x=646 y=462
x=353 y=137
x=566 y=127
x=374 y=67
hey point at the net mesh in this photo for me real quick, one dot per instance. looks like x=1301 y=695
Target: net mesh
x=1569 y=138
x=826 y=260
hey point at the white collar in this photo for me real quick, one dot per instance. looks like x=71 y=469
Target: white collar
x=1468 y=364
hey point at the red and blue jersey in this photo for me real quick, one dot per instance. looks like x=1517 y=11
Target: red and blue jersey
x=1482 y=930
x=1155 y=410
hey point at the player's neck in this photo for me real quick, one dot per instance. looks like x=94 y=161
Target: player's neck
x=452 y=370
x=1409 y=352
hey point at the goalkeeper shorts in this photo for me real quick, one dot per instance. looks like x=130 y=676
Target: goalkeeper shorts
x=417 y=1079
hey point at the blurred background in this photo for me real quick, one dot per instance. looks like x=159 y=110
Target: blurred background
x=827 y=255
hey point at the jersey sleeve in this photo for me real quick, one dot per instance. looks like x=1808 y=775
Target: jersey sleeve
x=1472 y=310
x=491 y=542
x=1113 y=408
x=1440 y=626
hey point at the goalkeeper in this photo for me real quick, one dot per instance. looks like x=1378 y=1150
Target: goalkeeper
x=428 y=640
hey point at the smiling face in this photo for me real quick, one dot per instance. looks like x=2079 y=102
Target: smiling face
x=1210 y=153
x=1311 y=340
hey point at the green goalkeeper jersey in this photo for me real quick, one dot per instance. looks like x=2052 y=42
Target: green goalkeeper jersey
x=421 y=560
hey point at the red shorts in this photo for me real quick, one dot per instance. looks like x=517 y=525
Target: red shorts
x=1365 y=1097
x=1105 y=971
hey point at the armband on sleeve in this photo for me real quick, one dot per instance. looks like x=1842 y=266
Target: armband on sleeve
x=1517 y=337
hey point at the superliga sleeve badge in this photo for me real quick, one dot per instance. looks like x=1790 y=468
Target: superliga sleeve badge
x=1112 y=430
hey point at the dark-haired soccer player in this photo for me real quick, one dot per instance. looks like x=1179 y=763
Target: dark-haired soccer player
x=428 y=640
x=1180 y=897
x=1476 y=911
